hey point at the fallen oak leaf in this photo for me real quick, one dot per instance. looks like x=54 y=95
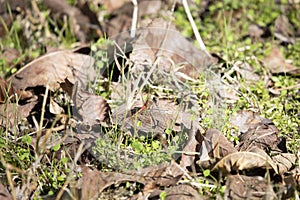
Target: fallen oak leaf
x=191 y=149
x=240 y=161
x=157 y=41
x=211 y=146
x=53 y=68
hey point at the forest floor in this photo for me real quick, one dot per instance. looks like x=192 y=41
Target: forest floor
x=100 y=99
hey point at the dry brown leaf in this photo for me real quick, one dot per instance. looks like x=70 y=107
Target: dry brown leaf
x=92 y=109
x=289 y=185
x=246 y=120
x=193 y=146
x=178 y=192
x=284 y=30
x=155 y=118
x=284 y=162
x=4 y=194
x=291 y=182
x=6 y=91
x=67 y=86
x=12 y=114
x=80 y=23
x=247 y=71
x=257 y=131
x=240 y=161
x=93 y=182
x=176 y=54
x=54 y=108
x=246 y=187
x=112 y=5
x=217 y=144
x=53 y=68
x=263 y=136
x=276 y=63
x=255 y=31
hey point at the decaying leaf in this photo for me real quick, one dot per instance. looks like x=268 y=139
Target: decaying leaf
x=255 y=31
x=191 y=149
x=12 y=114
x=247 y=187
x=217 y=144
x=276 y=63
x=246 y=71
x=155 y=116
x=240 y=161
x=157 y=43
x=6 y=91
x=92 y=109
x=178 y=192
x=284 y=162
x=112 y=5
x=54 y=108
x=53 y=68
x=80 y=23
x=257 y=132
x=284 y=30
x=213 y=147
x=94 y=182
x=291 y=182
x=4 y=194
x=246 y=120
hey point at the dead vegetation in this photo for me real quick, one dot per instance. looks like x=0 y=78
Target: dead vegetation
x=90 y=112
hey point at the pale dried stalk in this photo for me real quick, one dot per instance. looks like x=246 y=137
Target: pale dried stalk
x=134 y=18
x=194 y=27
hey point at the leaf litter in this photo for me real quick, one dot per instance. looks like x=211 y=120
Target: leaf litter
x=59 y=80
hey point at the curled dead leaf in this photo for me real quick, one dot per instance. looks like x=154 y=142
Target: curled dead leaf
x=246 y=187
x=91 y=108
x=257 y=131
x=53 y=68
x=284 y=162
x=240 y=161
x=217 y=144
